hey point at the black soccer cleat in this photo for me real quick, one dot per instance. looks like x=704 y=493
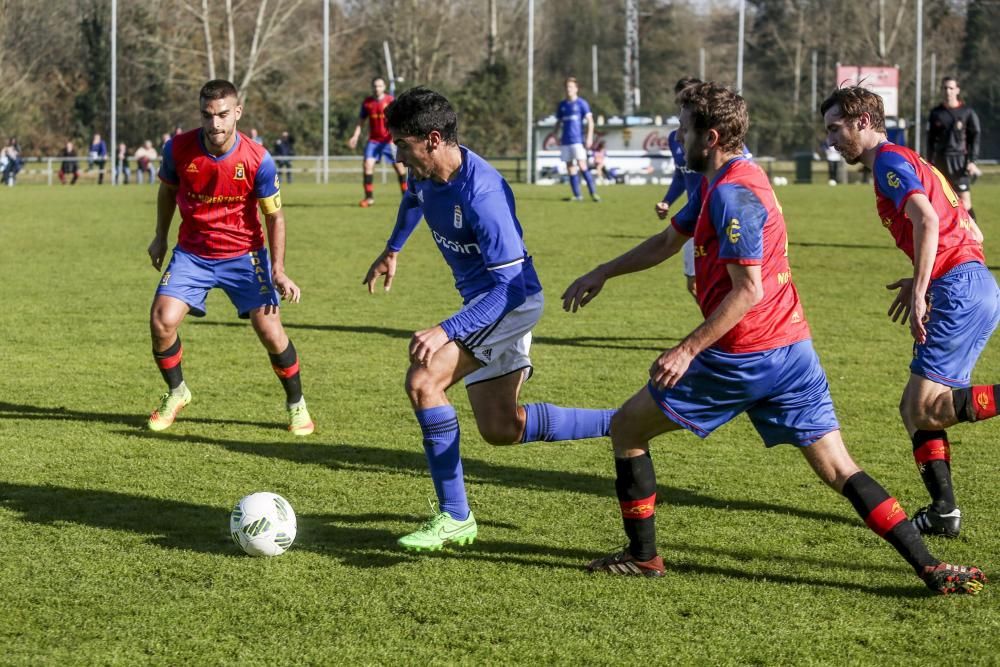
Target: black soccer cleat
x=948 y=579
x=622 y=562
x=931 y=522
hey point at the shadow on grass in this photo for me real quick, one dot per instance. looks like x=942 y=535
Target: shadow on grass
x=348 y=538
x=20 y=411
x=850 y=246
x=656 y=343
x=368 y=458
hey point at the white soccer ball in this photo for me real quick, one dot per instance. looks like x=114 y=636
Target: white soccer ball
x=263 y=524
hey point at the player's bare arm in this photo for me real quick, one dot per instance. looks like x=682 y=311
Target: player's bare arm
x=925 y=243
x=166 y=204
x=288 y=290
x=589 y=120
x=747 y=291
x=384 y=265
x=353 y=141
x=647 y=254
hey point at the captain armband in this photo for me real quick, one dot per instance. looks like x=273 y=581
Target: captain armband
x=270 y=204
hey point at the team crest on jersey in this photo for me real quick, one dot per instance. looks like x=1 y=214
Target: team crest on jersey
x=458 y=216
x=166 y=279
x=887 y=222
x=892 y=178
x=192 y=168
x=733 y=231
x=241 y=173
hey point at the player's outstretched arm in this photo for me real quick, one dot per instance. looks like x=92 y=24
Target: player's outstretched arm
x=384 y=265
x=287 y=288
x=353 y=141
x=925 y=245
x=647 y=254
x=166 y=204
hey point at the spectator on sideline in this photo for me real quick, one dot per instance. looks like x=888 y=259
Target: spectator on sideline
x=145 y=155
x=12 y=163
x=70 y=165
x=285 y=147
x=122 y=169
x=953 y=140
x=97 y=157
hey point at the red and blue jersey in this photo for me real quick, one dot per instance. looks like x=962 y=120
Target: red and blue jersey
x=740 y=221
x=218 y=195
x=899 y=174
x=374 y=110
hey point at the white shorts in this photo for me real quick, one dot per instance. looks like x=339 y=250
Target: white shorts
x=572 y=152
x=503 y=346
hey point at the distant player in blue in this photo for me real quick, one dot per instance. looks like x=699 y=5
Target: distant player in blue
x=685 y=180
x=470 y=211
x=571 y=115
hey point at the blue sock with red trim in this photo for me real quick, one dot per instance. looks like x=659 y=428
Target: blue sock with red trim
x=551 y=423
x=635 y=486
x=441 y=435
x=885 y=517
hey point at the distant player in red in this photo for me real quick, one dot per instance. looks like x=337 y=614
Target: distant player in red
x=379 y=140
x=218 y=177
x=752 y=354
x=952 y=302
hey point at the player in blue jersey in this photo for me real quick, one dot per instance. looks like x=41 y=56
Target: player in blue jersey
x=685 y=180
x=571 y=115
x=470 y=211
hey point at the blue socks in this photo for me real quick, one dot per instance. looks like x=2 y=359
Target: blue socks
x=440 y=428
x=589 y=179
x=574 y=182
x=544 y=421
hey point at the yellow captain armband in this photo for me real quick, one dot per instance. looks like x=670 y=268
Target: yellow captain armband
x=270 y=204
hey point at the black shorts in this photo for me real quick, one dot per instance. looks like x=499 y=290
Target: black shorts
x=954 y=169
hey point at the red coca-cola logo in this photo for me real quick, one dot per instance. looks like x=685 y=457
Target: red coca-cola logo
x=656 y=141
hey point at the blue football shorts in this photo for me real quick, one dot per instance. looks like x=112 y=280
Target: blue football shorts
x=783 y=391
x=375 y=150
x=963 y=313
x=245 y=279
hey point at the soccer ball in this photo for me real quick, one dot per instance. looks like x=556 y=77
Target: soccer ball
x=263 y=524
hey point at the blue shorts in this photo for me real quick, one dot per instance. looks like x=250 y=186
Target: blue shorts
x=784 y=391
x=964 y=311
x=246 y=280
x=375 y=150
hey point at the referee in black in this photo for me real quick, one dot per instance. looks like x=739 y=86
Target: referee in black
x=953 y=140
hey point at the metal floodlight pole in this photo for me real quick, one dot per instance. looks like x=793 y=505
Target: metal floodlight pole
x=114 y=90
x=531 y=92
x=812 y=104
x=326 y=91
x=630 y=75
x=932 y=80
x=701 y=63
x=739 y=48
x=388 y=68
x=917 y=124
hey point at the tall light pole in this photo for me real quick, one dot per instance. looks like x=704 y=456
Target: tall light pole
x=917 y=114
x=114 y=90
x=326 y=91
x=631 y=63
x=531 y=92
x=739 y=48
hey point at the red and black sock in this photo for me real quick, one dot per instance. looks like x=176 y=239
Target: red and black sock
x=286 y=367
x=932 y=453
x=887 y=519
x=369 y=187
x=402 y=182
x=636 y=488
x=169 y=362
x=974 y=404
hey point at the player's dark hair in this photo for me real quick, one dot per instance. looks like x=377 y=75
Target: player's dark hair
x=218 y=89
x=854 y=101
x=685 y=82
x=420 y=111
x=946 y=79
x=715 y=107
x=570 y=79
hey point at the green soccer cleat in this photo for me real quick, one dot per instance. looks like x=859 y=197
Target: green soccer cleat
x=170 y=405
x=299 y=421
x=440 y=530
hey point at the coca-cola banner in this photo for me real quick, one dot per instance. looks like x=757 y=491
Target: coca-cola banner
x=882 y=81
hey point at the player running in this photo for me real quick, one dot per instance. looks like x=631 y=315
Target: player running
x=571 y=115
x=752 y=353
x=217 y=177
x=952 y=302
x=469 y=209
x=379 y=140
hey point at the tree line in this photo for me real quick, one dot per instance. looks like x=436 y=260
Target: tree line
x=55 y=61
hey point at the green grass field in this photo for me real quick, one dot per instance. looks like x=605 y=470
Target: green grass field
x=115 y=545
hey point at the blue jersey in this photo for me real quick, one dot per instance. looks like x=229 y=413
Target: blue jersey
x=571 y=115
x=684 y=180
x=474 y=224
